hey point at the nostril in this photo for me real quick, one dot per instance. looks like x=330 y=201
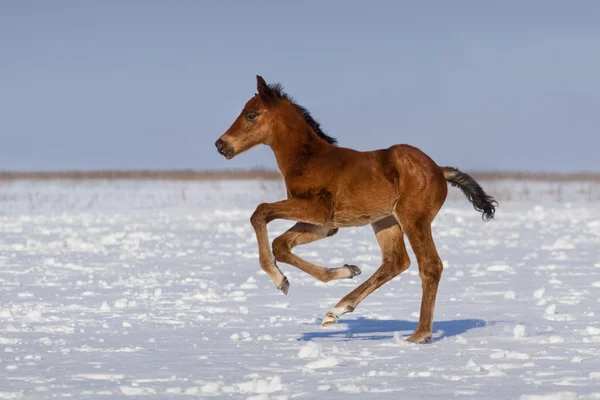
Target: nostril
x=220 y=144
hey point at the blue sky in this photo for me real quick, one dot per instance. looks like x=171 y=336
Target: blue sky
x=508 y=85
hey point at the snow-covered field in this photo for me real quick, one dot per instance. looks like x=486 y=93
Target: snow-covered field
x=112 y=290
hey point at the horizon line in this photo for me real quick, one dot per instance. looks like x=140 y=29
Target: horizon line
x=256 y=173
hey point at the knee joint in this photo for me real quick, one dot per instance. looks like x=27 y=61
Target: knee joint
x=259 y=215
x=431 y=272
x=403 y=264
x=398 y=264
x=280 y=248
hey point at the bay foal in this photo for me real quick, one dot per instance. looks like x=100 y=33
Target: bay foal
x=398 y=191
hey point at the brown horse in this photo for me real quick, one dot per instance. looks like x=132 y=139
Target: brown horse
x=398 y=191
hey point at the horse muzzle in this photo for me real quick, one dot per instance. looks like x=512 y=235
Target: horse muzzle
x=225 y=149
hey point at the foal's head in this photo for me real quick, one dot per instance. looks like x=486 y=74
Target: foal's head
x=255 y=124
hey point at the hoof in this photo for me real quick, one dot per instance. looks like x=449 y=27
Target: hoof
x=354 y=270
x=329 y=319
x=285 y=286
x=419 y=338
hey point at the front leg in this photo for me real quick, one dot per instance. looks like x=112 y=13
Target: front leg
x=316 y=210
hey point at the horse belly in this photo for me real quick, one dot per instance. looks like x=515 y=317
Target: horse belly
x=361 y=210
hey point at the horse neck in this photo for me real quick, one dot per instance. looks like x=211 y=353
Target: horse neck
x=295 y=145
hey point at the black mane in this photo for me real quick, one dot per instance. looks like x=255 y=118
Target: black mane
x=278 y=89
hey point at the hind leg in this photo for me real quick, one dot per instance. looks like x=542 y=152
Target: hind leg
x=394 y=261
x=303 y=233
x=418 y=231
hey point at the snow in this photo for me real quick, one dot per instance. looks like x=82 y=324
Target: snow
x=519 y=331
x=324 y=363
x=552 y=396
x=310 y=350
x=153 y=289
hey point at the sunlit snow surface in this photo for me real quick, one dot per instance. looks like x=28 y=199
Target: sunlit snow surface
x=112 y=290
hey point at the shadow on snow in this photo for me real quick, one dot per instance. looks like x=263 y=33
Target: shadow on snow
x=376 y=329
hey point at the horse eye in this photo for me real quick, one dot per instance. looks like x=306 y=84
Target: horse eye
x=251 y=116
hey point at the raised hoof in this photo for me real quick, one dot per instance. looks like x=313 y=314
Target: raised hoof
x=285 y=286
x=329 y=319
x=354 y=270
x=419 y=338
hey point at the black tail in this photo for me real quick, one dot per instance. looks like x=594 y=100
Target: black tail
x=481 y=200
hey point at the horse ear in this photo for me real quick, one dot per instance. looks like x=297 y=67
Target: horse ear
x=263 y=89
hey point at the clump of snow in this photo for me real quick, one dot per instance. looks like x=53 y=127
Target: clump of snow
x=592 y=330
x=472 y=365
x=499 y=268
x=11 y=395
x=519 y=331
x=555 y=339
x=350 y=388
x=137 y=391
x=327 y=362
x=100 y=377
x=594 y=375
x=461 y=339
x=551 y=309
x=514 y=355
x=210 y=387
x=269 y=385
x=310 y=350
x=419 y=374
x=279 y=305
